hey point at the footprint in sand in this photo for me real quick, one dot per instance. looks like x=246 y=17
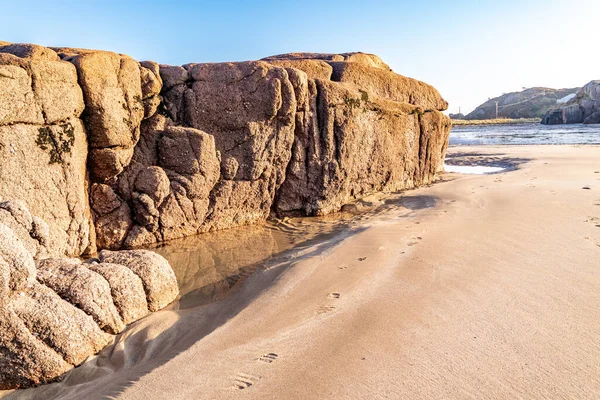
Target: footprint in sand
x=325 y=309
x=343 y=266
x=268 y=358
x=333 y=295
x=414 y=241
x=244 y=381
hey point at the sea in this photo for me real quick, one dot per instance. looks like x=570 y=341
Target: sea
x=524 y=134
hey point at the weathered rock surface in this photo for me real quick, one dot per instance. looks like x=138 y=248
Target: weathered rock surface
x=583 y=108
x=83 y=288
x=313 y=68
x=18 y=266
x=56 y=313
x=112 y=89
x=369 y=60
x=173 y=151
x=127 y=290
x=67 y=329
x=32 y=231
x=43 y=144
x=249 y=110
x=365 y=130
x=388 y=85
x=24 y=359
x=157 y=276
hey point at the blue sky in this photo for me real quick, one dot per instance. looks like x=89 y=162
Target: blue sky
x=469 y=50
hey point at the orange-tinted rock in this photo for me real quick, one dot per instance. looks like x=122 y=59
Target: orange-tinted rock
x=157 y=276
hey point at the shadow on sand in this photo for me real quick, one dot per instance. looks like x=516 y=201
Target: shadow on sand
x=485 y=159
x=211 y=269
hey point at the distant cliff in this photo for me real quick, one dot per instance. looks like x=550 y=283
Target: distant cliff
x=583 y=108
x=530 y=103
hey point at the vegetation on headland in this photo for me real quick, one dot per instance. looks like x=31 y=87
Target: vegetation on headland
x=498 y=121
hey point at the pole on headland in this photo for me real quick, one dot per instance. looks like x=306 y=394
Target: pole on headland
x=496 y=109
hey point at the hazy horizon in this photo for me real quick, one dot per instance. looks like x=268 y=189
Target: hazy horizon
x=470 y=51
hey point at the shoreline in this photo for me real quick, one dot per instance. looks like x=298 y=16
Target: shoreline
x=499 y=121
x=398 y=308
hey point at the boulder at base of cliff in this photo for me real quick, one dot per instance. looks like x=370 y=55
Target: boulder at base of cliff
x=55 y=315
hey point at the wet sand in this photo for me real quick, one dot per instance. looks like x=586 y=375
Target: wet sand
x=480 y=286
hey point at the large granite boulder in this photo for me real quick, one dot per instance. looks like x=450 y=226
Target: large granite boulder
x=55 y=313
x=234 y=143
x=180 y=150
x=157 y=276
x=82 y=287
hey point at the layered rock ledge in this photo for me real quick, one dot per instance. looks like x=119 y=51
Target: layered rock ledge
x=56 y=312
x=115 y=153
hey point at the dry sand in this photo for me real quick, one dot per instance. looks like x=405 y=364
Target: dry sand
x=480 y=287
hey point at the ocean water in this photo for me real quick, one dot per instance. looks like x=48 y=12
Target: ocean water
x=522 y=134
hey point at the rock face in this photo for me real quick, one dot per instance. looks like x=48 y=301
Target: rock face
x=529 y=103
x=366 y=130
x=43 y=143
x=115 y=153
x=111 y=86
x=249 y=109
x=583 y=108
x=54 y=313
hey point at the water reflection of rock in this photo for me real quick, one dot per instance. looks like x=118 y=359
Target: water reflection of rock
x=207 y=266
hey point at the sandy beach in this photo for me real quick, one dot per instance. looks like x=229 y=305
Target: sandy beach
x=477 y=287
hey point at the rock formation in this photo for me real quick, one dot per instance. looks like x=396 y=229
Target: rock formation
x=365 y=130
x=529 y=103
x=43 y=143
x=583 y=108
x=110 y=153
x=116 y=153
x=54 y=313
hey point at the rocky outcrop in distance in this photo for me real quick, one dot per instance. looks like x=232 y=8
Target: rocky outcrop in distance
x=583 y=108
x=114 y=153
x=529 y=103
x=56 y=312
